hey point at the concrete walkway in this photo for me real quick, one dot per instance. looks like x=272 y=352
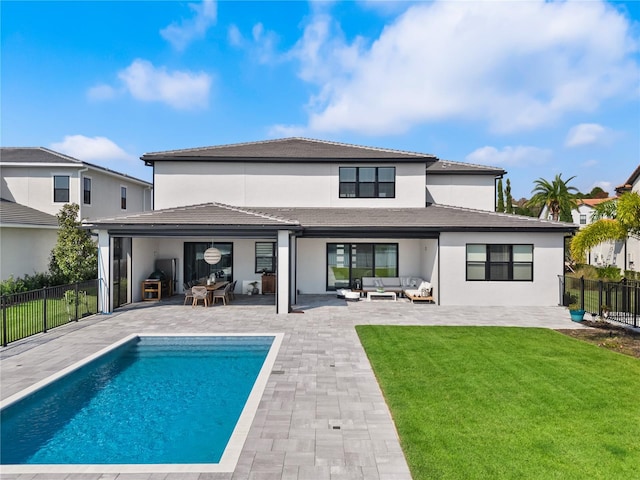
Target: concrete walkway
x=322 y=415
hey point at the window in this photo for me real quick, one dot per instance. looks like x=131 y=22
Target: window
x=123 y=198
x=86 y=191
x=583 y=219
x=499 y=262
x=60 y=188
x=367 y=182
x=265 y=257
x=196 y=269
x=347 y=262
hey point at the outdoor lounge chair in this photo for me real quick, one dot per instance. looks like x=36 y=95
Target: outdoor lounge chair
x=200 y=293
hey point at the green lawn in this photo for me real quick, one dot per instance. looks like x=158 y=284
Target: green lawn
x=493 y=402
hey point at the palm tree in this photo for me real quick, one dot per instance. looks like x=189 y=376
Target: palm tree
x=557 y=196
x=614 y=220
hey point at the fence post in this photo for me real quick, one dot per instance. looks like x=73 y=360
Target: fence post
x=600 y=302
x=44 y=310
x=4 y=321
x=582 y=293
x=76 y=293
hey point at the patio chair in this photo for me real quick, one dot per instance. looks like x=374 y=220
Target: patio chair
x=200 y=293
x=222 y=293
x=187 y=292
x=232 y=290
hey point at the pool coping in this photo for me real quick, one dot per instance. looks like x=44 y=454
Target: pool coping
x=232 y=451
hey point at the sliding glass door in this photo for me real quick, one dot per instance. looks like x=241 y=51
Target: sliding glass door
x=347 y=262
x=196 y=269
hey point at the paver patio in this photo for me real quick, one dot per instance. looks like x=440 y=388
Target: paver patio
x=322 y=415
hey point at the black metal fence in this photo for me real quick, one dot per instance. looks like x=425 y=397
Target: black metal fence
x=615 y=301
x=28 y=313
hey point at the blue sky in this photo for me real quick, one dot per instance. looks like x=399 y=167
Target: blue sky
x=537 y=88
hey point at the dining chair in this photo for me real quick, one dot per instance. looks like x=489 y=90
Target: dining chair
x=222 y=293
x=200 y=293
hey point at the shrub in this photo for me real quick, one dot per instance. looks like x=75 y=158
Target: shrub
x=29 y=282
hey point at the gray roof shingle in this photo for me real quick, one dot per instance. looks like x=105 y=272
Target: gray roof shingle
x=289 y=150
x=448 y=167
x=44 y=156
x=12 y=213
x=435 y=218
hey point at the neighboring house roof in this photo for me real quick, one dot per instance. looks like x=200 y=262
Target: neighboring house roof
x=14 y=214
x=320 y=221
x=592 y=202
x=288 y=150
x=628 y=185
x=43 y=157
x=448 y=167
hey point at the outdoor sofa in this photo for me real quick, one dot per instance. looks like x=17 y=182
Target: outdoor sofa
x=390 y=284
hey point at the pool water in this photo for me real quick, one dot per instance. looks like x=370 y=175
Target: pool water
x=153 y=400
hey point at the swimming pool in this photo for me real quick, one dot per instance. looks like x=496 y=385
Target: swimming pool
x=147 y=403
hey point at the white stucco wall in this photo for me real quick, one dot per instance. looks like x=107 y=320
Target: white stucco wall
x=416 y=258
x=25 y=250
x=548 y=263
x=274 y=185
x=468 y=191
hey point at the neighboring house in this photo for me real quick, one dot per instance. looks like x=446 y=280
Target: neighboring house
x=39 y=179
x=27 y=236
x=607 y=253
x=632 y=245
x=321 y=215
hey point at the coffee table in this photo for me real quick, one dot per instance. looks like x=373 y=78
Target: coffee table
x=381 y=296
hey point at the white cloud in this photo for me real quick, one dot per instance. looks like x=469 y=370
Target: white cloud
x=101 y=92
x=179 y=89
x=509 y=156
x=587 y=134
x=513 y=65
x=183 y=33
x=89 y=149
x=261 y=46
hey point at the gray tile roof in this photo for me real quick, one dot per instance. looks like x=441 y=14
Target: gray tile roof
x=289 y=150
x=44 y=156
x=35 y=155
x=12 y=213
x=448 y=167
x=435 y=218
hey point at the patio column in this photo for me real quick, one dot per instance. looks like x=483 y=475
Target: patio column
x=282 y=290
x=104 y=297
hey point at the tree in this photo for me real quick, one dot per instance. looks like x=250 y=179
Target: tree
x=508 y=207
x=597 y=192
x=500 y=206
x=615 y=220
x=75 y=256
x=557 y=196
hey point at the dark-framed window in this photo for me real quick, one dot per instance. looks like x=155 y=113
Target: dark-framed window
x=367 y=182
x=265 y=257
x=123 y=198
x=499 y=262
x=61 y=188
x=86 y=191
x=347 y=262
x=583 y=219
x=196 y=269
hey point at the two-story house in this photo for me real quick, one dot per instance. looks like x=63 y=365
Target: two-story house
x=323 y=214
x=34 y=185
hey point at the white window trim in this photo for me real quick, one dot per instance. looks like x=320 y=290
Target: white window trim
x=82 y=190
x=53 y=187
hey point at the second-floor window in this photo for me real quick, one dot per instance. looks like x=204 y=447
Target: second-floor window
x=61 y=188
x=583 y=219
x=123 y=198
x=367 y=182
x=86 y=191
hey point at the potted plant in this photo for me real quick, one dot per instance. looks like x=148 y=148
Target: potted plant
x=577 y=314
x=254 y=288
